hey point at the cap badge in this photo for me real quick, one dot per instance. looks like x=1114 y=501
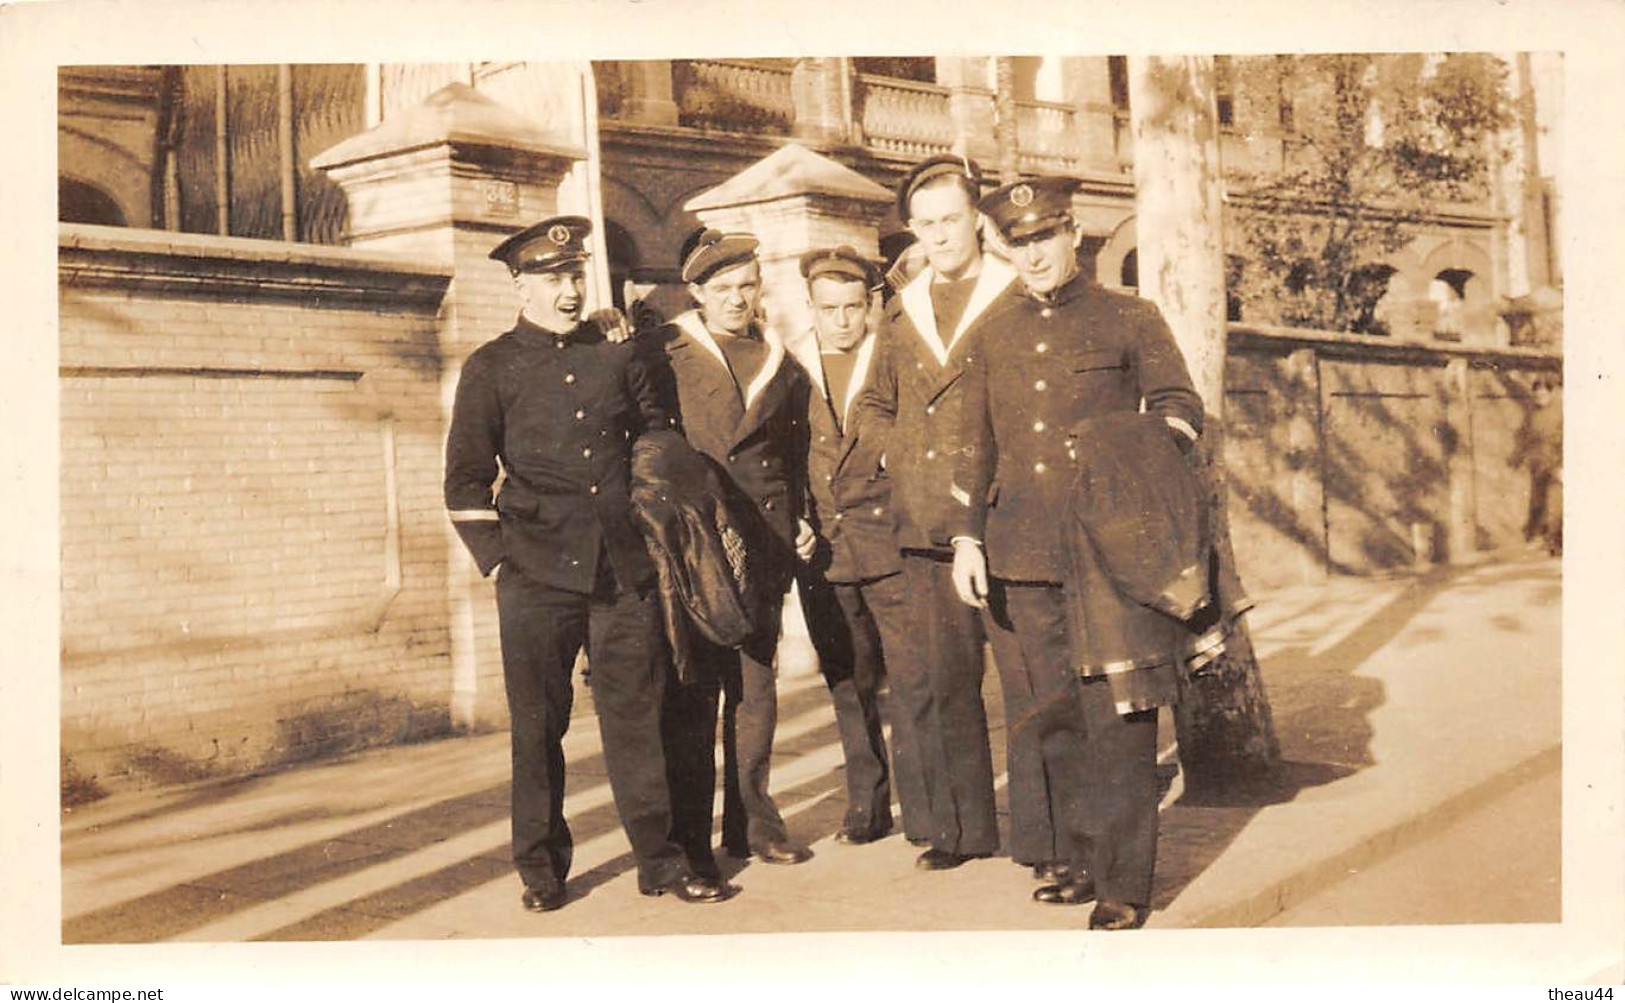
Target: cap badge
x=559 y=234
x=1021 y=196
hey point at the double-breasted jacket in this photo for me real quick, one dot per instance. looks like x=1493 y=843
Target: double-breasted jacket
x=916 y=387
x=1041 y=368
x=556 y=414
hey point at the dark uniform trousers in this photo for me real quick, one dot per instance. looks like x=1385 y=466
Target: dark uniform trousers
x=936 y=686
x=1070 y=752
x=542 y=629
x=855 y=628
x=745 y=679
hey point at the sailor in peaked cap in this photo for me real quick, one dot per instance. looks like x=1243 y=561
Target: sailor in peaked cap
x=1065 y=354
x=537 y=483
x=548 y=246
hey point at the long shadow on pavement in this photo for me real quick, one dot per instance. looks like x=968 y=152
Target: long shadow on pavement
x=212 y=897
x=1322 y=710
x=369 y=913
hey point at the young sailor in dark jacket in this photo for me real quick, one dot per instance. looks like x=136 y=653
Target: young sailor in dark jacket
x=743 y=404
x=1066 y=352
x=557 y=406
x=852 y=592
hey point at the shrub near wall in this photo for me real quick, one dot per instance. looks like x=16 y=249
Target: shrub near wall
x=253 y=542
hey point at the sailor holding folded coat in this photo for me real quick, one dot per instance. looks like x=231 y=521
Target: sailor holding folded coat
x=1049 y=366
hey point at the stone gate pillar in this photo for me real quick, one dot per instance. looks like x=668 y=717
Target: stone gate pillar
x=446 y=180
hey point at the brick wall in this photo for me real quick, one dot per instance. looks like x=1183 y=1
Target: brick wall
x=253 y=541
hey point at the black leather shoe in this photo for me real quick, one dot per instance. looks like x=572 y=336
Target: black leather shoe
x=859 y=835
x=694 y=888
x=1052 y=871
x=1110 y=914
x=945 y=860
x=543 y=899
x=1068 y=892
x=783 y=853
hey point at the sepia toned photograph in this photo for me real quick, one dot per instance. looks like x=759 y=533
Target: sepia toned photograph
x=935 y=493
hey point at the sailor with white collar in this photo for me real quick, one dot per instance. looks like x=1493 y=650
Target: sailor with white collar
x=931 y=326
x=852 y=592
x=742 y=403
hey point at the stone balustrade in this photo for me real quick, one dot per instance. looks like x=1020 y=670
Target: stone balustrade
x=1047 y=136
x=734 y=95
x=903 y=116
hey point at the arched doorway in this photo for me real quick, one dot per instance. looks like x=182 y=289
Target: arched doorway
x=81 y=202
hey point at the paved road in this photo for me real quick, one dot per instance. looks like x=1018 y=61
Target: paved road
x=1500 y=863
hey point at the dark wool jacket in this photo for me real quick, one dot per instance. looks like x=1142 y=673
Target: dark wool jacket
x=1040 y=369
x=1147 y=590
x=708 y=542
x=757 y=433
x=916 y=388
x=848 y=491
x=558 y=413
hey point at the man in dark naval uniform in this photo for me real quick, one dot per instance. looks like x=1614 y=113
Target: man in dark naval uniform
x=553 y=407
x=743 y=404
x=852 y=591
x=1066 y=352
x=929 y=330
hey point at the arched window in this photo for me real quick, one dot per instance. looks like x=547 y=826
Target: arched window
x=1130 y=274
x=78 y=202
x=1448 y=292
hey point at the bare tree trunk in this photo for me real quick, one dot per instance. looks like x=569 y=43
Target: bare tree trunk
x=1224 y=724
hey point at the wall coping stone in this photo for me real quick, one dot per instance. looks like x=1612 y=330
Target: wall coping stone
x=1381 y=348
x=210 y=265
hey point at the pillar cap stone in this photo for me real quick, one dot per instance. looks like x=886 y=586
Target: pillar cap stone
x=790 y=171
x=455 y=114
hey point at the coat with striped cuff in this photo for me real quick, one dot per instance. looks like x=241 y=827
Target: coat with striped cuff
x=1149 y=594
x=556 y=415
x=1039 y=370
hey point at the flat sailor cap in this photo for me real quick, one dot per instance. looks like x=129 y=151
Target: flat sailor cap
x=707 y=251
x=551 y=244
x=930 y=169
x=841 y=260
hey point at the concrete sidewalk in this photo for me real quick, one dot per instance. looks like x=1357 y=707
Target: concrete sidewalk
x=1402 y=704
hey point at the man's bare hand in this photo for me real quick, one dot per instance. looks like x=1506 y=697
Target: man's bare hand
x=806 y=540
x=970 y=573
x=612 y=324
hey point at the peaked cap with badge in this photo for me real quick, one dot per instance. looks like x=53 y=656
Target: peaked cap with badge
x=1025 y=209
x=552 y=244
